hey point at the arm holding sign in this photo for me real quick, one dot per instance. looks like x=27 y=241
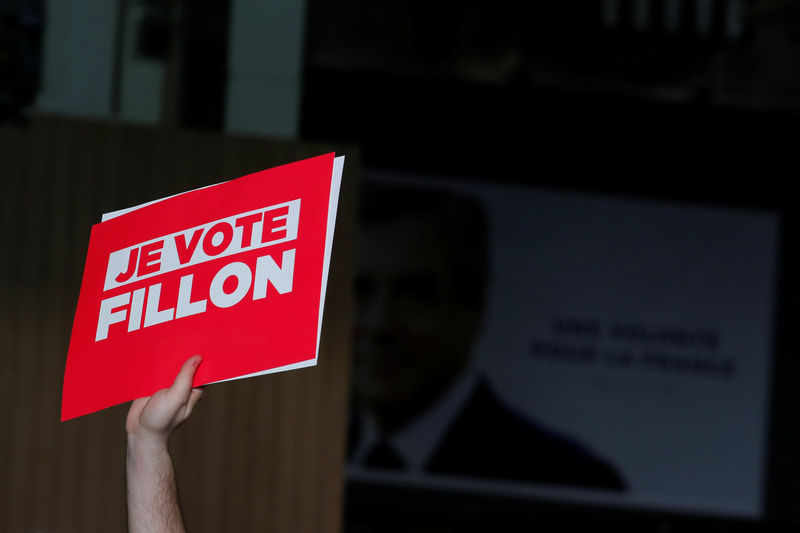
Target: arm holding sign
x=152 y=494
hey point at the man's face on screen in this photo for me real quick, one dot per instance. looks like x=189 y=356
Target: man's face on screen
x=411 y=335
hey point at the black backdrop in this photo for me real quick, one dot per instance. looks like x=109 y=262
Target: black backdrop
x=587 y=141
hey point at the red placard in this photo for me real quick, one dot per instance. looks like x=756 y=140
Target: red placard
x=235 y=272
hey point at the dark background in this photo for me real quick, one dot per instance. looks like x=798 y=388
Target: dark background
x=609 y=97
x=676 y=115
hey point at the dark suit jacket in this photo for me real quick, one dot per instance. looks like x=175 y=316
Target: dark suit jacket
x=489 y=440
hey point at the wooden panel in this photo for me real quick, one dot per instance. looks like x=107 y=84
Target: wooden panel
x=260 y=454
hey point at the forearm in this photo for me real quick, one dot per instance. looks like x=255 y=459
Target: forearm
x=152 y=495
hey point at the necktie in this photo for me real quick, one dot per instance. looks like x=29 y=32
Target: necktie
x=384 y=456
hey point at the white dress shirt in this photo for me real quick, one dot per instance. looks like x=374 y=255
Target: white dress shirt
x=417 y=440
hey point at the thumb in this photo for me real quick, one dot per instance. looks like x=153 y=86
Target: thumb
x=181 y=389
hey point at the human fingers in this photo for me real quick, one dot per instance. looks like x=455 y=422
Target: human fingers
x=194 y=397
x=181 y=388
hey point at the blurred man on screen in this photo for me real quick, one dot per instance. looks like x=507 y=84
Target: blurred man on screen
x=420 y=406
